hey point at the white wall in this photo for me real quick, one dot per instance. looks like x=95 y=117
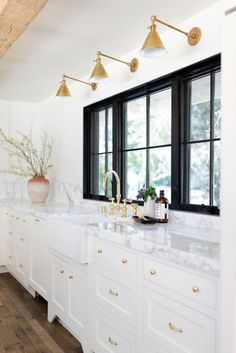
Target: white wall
x=228 y=245
x=15 y=116
x=63 y=118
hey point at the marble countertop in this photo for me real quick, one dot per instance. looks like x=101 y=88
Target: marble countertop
x=192 y=247
x=197 y=249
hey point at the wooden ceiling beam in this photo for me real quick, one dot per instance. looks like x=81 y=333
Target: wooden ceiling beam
x=15 y=16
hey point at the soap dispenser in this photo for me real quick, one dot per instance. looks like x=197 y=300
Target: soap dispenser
x=161 y=208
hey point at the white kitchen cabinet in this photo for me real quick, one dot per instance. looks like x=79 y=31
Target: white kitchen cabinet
x=3 y=237
x=38 y=256
x=68 y=298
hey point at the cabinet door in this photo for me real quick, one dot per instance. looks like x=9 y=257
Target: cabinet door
x=77 y=298
x=38 y=267
x=3 y=238
x=59 y=287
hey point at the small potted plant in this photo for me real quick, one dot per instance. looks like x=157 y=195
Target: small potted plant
x=28 y=161
x=149 y=196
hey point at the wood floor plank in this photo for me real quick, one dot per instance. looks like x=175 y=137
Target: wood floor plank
x=23 y=323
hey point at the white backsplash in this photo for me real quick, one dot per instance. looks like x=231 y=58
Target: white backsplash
x=72 y=195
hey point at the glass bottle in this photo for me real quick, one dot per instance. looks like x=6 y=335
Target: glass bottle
x=161 y=208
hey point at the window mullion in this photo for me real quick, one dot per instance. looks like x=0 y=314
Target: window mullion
x=212 y=109
x=147 y=139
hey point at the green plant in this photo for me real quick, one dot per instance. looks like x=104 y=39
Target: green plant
x=27 y=159
x=150 y=191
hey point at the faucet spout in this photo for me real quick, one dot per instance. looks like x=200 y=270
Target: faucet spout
x=104 y=181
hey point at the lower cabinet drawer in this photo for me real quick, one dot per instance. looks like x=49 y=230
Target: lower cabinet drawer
x=176 y=327
x=148 y=347
x=110 y=337
x=116 y=294
x=196 y=288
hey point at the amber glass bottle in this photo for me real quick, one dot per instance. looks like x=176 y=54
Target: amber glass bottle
x=161 y=208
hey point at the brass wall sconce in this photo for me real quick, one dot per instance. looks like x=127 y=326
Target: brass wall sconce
x=99 y=73
x=63 y=90
x=153 y=46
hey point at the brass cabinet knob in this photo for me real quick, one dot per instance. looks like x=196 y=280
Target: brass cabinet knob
x=36 y=220
x=174 y=328
x=71 y=276
x=124 y=261
x=21 y=266
x=62 y=271
x=195 y=289
x=112 y=342
x=153 y=272
x=112 y=292
x=99 y=251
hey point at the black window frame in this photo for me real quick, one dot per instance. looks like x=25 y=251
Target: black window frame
x=176 y=81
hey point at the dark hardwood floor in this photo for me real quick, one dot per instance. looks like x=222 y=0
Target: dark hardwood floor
x=23 y=323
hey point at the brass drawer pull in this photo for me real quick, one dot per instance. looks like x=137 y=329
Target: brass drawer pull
x=22 y=239
x=36 y=220
x=99 y=251
x=111 y=341
x=111 y=291
x=21 y=266
x=195 y=289
x=124 y=261
x=153 y=272
x=62 y=271
x=71 y=276
x=174 y=328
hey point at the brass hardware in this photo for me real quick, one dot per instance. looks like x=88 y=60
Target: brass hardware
x=195 y=289
x=174 y=328
x=153 y=46
x=21 y=266
x=124 y=261
x=22 y=239
x=111 y=341
x=104 y=210
x=99 y=73
x=113 y=293
x=124 y=209
x=63 y=90
x=135 y=208
x=62 y=271
x=71 y=276
x=153 y=272
x=99 y=251
x=104 y=180
x=112 y=207
x=10 y=257
x=36 y=220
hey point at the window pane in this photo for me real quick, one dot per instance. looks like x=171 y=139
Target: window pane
x=160 y=118
x=216 y=180
x=199 y=173
x=217 y=106
x=135 y=172
x=200 y=109
x=109 y=131
x=136 y=123
x=102 y=124
x=160 y=169
x=101 y=172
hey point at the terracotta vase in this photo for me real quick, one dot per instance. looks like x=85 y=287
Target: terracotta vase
x=38 y=189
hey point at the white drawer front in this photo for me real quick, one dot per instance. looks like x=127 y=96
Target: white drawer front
x=121 y=261
x=147 y=347
x=116 y=294
x=195 y=287
x=109 y=337
x=176 y=327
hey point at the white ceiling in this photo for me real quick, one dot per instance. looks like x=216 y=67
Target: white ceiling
x=67 y=33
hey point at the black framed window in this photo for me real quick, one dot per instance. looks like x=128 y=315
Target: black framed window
x=165 y=133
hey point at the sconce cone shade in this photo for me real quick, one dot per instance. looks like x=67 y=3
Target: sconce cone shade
x=153 y=46
x=63 y=90
x=99 y=73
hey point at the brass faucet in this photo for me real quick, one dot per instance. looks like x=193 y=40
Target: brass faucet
x=104 y=180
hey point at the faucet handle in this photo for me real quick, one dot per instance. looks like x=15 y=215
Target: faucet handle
x=124 y=208
x=112 y=199
x=112 y=207
x=135 y=208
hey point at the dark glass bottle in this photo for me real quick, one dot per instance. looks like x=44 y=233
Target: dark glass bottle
x=161 y=208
